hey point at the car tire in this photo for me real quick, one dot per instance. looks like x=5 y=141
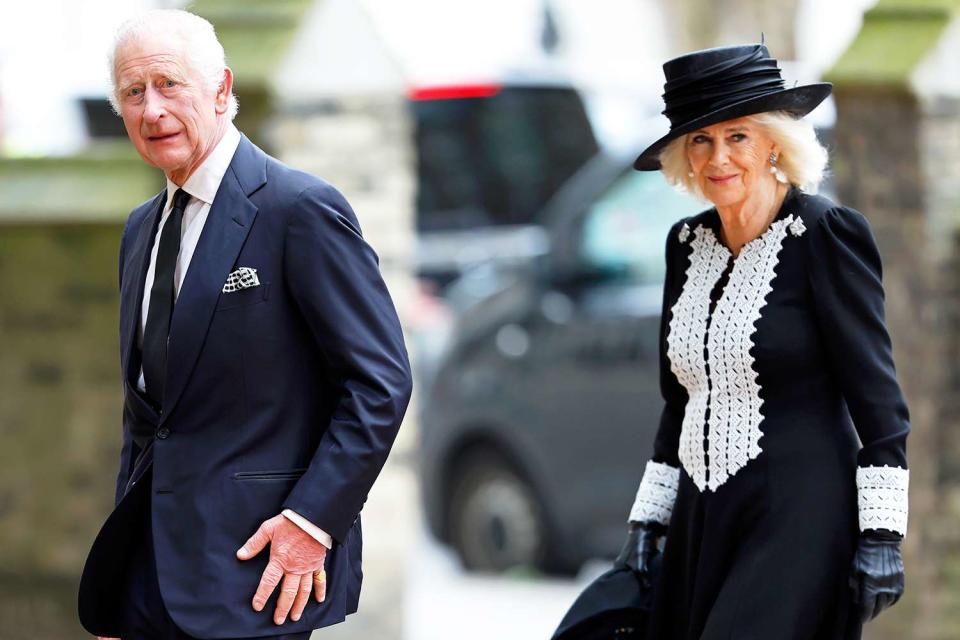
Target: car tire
x=496 y=520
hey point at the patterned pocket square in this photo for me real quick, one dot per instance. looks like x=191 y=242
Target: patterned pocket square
x=242 y=278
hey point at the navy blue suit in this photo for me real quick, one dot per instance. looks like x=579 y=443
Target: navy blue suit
x=284 y=395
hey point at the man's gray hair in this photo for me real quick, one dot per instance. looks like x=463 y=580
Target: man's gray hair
x=198 y=37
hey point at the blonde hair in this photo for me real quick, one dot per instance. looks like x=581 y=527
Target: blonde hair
x=802 y=158
x=206 y=54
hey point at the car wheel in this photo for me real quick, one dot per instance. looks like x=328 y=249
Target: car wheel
x=496 y=521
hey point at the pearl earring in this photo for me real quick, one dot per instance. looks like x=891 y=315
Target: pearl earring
x=778 y=173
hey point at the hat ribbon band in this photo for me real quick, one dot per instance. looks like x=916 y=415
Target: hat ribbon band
x=720 y=85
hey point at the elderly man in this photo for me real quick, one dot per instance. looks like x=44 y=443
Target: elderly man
x=264 y=371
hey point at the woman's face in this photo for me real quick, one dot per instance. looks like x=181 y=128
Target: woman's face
x=731 y=160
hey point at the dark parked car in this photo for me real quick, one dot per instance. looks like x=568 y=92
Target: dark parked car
x=542 y=413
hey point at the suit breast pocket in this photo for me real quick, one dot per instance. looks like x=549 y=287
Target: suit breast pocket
x=244 y=297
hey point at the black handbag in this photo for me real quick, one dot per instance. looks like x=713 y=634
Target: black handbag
x=615 y=606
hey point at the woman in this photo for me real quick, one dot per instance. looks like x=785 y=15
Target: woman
x=775 y=358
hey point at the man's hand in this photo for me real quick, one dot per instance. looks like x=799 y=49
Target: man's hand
x=296 y=564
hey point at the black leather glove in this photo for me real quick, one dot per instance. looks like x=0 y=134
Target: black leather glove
x=640 y=551
x=877 y=573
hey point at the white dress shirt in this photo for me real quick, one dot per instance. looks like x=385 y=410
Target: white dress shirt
x=202 y=185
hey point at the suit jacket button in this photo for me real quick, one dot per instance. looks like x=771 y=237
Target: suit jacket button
x=163 y=433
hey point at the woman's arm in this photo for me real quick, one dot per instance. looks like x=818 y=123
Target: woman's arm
x=658 y=488
x=846 y=278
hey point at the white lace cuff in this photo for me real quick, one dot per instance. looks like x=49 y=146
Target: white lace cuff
x=657 y=493
x=882 y=494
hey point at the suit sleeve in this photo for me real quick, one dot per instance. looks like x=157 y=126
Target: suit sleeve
x=658 y=487
x=333 y=276
x=846 y=280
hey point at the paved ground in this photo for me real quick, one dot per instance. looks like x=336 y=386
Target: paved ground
x=443 y=602
x=414 y=589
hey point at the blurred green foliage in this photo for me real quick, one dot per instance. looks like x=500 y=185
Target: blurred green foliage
x=896 y=36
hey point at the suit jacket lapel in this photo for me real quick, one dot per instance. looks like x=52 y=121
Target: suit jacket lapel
x=224 y=233
x=131 y=292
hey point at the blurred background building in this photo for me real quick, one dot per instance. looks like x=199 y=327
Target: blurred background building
x=486 y=149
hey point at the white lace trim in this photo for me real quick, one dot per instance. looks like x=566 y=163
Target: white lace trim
x=797 y=227
x=731 y=390
x=882 y=495
x=688 y=324
x=657 y=493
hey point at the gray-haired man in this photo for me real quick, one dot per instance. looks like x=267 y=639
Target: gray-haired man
x=264 y=369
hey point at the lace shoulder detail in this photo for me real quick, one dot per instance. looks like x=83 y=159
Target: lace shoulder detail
x=657 y=493
x=797 y=227
x=882 y=497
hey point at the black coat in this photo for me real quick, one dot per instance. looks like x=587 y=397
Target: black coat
x=773 y=364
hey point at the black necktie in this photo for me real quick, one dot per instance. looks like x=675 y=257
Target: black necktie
x=161 y=301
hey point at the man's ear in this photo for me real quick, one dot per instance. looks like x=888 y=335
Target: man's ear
x=224 y=91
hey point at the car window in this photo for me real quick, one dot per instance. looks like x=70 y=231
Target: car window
x=496 y=160
x=625 y=229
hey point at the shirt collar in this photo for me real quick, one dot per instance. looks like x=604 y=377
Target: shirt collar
x=204 y=182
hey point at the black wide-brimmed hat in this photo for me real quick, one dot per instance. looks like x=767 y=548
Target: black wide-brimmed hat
x=710 y=86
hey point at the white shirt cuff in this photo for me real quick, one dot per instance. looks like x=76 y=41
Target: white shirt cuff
x=315 y=532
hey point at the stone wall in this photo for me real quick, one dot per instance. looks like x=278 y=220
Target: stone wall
x=940 y=161
x=695 y=24
x=59 y=417
x=363 y=147
x=896 y=160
